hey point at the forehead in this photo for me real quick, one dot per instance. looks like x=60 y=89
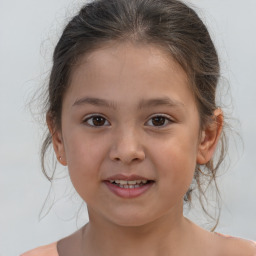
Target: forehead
x=130 y=68
x=139 y=53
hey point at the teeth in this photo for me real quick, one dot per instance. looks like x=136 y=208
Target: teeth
x=129 y=186
x=128 y=182
x=131 y=182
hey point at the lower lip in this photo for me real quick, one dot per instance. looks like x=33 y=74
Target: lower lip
x=128 y=192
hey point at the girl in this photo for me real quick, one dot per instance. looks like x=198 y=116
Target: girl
x=132 y=114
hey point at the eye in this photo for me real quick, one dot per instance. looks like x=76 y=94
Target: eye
x=96 y=121
x=159 y=120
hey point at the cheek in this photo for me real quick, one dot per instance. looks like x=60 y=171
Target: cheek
x=82 y=149
x=84 y=157
x=176 y=161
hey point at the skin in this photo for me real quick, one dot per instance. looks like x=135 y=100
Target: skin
x=127 y=76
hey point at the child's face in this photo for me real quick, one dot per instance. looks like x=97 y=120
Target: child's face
x=146 y=124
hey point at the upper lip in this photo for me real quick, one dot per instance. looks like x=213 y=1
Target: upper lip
x=127 y=177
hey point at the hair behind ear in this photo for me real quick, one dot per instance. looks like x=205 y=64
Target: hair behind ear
x=57 y=140
x=210 y=136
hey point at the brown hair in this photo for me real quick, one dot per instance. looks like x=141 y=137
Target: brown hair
x=167 y=23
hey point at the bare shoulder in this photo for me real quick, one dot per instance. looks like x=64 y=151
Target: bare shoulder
x=235 y=246
x=45 y=250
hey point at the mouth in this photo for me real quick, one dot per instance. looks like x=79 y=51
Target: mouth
x=129 y=186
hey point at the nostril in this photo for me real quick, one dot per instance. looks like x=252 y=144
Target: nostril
x=127 y=159
x=126 y=154
x=117 y=159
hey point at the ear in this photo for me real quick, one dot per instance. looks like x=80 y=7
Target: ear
x=210 y=137
x=57 y=140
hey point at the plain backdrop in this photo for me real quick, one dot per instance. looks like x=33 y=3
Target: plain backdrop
x=29 y=29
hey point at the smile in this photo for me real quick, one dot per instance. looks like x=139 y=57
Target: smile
x=128 y=187
x=129 y=183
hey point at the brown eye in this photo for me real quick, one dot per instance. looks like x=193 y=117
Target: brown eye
x=96 y=121
x=159 y=121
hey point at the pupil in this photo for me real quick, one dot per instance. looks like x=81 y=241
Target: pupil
x=159 y=120
x=98 y=121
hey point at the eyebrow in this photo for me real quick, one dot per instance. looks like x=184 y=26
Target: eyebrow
x=95 y=102
x=165 y=101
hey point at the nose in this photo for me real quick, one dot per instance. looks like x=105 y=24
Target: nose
x=127 y=148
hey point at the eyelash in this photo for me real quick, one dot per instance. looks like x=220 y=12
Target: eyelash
x=167 y=120
x=86 y=121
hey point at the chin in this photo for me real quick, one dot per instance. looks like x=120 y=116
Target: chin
x=132 y=219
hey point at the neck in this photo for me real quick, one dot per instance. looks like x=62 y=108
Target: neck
x=166 y=234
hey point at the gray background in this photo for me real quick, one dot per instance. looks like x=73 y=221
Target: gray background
x=28 y=31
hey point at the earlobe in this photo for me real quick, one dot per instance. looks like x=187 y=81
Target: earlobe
x=57 y=141
x=210 y=137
